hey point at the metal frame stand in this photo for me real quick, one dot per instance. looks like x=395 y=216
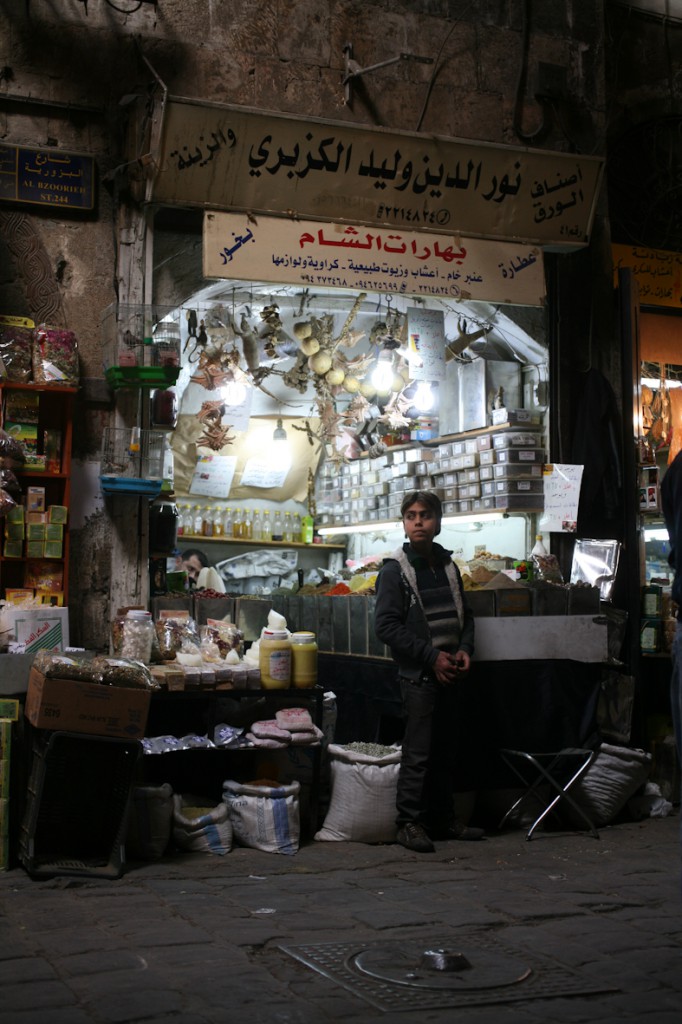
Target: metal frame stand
x=546 y=767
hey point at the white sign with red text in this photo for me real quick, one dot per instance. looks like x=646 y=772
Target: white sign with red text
x=371 y=259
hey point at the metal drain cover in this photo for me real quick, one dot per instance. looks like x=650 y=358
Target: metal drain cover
x=422 y=974
x=463 y=968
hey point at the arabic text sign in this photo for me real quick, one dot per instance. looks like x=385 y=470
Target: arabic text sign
x=658 y=273
x=231 y=158
x=562 y=496
x=46 y=177
x=346 y=256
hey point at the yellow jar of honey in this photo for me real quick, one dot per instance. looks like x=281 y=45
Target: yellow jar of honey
x=275 y=659
x=303 y=660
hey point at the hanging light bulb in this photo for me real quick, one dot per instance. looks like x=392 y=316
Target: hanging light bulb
x=382 y=375
x=233 y=393
x=423 y=396
x=281 y=451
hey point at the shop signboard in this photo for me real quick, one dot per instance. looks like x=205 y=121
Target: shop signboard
x=658 y=273
x=337 y=255
x=46 y=177
x=235 y=158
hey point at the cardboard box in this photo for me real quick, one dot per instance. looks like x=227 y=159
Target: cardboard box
x=40 y=628
x=57 y=513
x=74 y=706
x=35 y=499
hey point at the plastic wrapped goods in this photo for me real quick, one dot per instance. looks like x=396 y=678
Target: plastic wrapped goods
x=11 y=453
x=7 y=502
x=16 y=347
x=177 y=635
x=64 y=666
x=55 y=356
x=126 y=672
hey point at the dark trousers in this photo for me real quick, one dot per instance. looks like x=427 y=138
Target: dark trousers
x=426 y=777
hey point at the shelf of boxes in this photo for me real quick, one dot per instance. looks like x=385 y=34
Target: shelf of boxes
x=34 y=555
x=493 y=469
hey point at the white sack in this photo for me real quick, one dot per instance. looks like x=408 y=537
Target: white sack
x=362 y=807
x=613 y=777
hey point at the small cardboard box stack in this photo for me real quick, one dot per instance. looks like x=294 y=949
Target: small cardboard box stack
x=71 y=705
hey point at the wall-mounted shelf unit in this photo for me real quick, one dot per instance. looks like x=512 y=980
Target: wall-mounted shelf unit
x=49 y=407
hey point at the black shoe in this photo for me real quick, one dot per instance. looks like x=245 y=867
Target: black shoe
x=468 y=833
x=413 y=837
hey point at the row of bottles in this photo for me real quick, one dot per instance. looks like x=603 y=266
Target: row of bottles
x=244 y=524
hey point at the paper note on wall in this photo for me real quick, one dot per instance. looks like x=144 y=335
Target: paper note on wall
x=213 y=475
x=562 y=496
x=258 y=473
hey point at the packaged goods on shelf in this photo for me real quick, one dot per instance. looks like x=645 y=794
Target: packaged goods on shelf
x=55 y=356
x=512 y=487
x=520 y=502
x=522 y=470
x=25 y=434
x=515 y=439
x=520 y=455
x=16 y=346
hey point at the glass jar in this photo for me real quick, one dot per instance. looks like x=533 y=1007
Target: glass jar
x=164 y=411
x=652 y=596
x=275 y=659
x=163 y=526
x=137 y=635
x=207 y=521
x=303 y=660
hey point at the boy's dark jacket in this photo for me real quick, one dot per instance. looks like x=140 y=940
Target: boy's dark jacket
x=399 y=619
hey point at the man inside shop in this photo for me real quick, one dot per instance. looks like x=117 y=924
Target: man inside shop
x=193 y=560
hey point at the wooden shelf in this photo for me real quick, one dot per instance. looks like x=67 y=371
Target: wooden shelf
x=13 y=385
x=197 y=539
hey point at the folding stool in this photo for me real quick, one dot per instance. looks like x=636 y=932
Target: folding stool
x=559 y=769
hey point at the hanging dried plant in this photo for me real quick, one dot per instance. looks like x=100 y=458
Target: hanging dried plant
x=215 y=435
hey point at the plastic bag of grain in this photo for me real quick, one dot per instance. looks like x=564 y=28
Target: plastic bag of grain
x=201 y=826
x=265 y=814
x=364 y=779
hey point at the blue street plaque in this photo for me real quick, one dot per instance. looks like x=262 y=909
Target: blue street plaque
x=46 y=177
